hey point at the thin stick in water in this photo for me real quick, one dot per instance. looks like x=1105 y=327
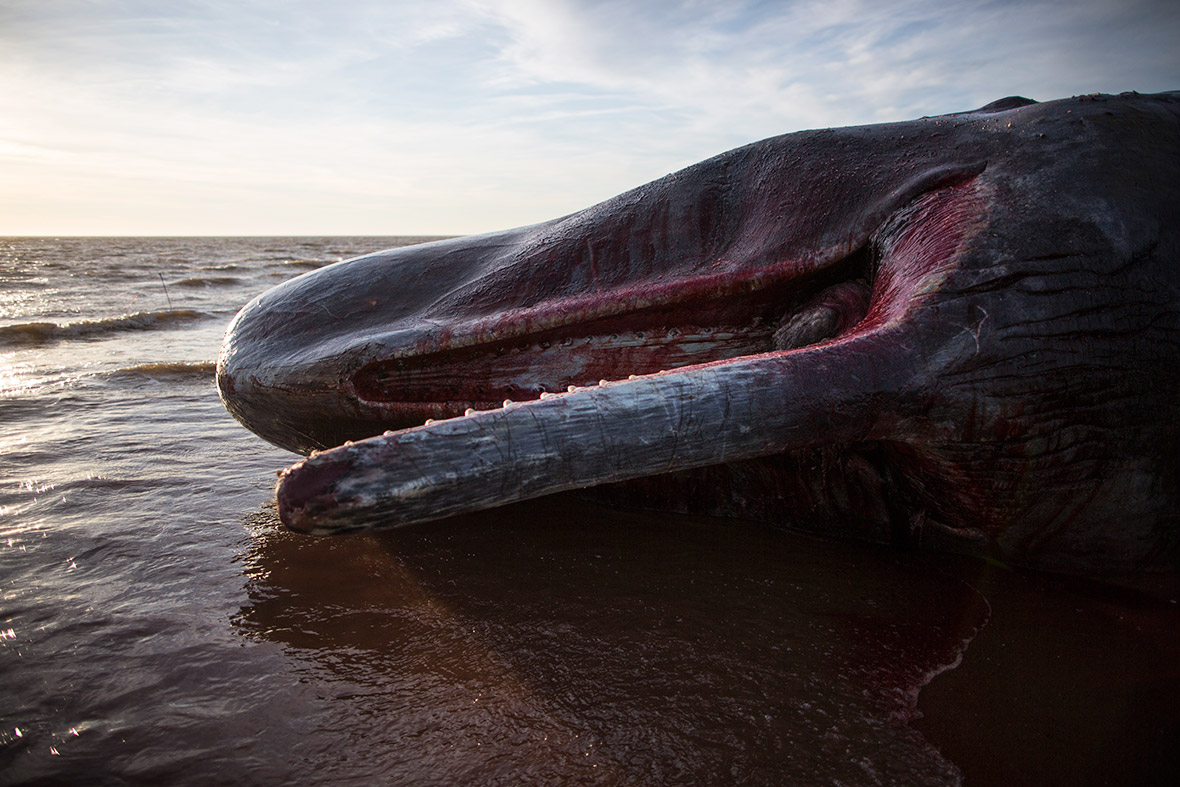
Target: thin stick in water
x=166 y=295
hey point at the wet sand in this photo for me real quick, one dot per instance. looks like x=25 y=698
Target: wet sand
x=1071 y=682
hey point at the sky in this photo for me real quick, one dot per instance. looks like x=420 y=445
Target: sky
x=408 y=117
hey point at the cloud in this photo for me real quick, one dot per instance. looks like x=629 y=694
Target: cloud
x=468 y=115
x=792 y=65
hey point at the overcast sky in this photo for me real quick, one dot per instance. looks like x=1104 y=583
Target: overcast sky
x=262 y=117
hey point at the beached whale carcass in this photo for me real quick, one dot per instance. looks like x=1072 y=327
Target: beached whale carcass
x=959 y=330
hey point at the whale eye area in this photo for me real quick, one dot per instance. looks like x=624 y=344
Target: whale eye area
x=481 y=375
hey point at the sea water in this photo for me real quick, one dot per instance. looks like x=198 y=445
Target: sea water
x=157 y=625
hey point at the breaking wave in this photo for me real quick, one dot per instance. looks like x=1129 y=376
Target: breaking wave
x=35 y=333
x=309 y=264
x=208 y=281
x=169 y=372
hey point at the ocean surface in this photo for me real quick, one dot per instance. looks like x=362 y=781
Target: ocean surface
x=158 y=626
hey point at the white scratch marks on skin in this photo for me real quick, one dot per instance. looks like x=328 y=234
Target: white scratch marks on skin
x=604 y=428
x=974 y=332
x=593 y=265
x=542 y=431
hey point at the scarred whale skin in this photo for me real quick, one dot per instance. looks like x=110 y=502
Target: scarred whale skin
x=960 y=331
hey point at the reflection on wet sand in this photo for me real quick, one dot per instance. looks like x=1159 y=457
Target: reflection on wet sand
x=563 y=642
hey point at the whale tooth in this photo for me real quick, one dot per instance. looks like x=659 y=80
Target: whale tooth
x=387 y=432
x=508 y=403
x=571 y=388
x=469 y=411
x=429 y=421
x=604 y=382
x=548 y=395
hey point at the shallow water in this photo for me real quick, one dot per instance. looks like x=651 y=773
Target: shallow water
x=157 y=625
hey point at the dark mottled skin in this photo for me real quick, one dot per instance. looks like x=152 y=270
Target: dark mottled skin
x=986 y=306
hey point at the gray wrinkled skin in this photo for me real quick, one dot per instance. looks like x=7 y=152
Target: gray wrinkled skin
x=959 y=331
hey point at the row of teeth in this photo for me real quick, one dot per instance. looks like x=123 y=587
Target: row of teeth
x=635 y=339
x=470 y=411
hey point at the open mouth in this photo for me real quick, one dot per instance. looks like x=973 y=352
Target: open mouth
x=690 y=328
x=642 y=380
x=654 y=326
